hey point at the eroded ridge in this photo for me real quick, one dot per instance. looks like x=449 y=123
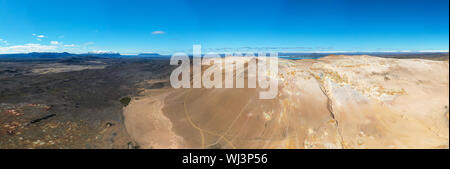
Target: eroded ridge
x=332 y=102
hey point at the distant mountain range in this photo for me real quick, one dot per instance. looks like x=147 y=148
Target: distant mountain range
x=50 y=55
x=37 y=55
x=149 y=54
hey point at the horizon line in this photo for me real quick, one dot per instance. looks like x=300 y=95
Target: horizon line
x=288 y=52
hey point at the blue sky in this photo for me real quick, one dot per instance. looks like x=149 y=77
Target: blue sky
x=167 y=26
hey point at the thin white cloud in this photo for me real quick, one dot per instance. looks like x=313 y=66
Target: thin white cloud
x=54 y=42
x=71 y=45
x=3 y=41
x=426 y=51
x=30 y=47
x=38 y=37
x=158 y=32
x=102 y=52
